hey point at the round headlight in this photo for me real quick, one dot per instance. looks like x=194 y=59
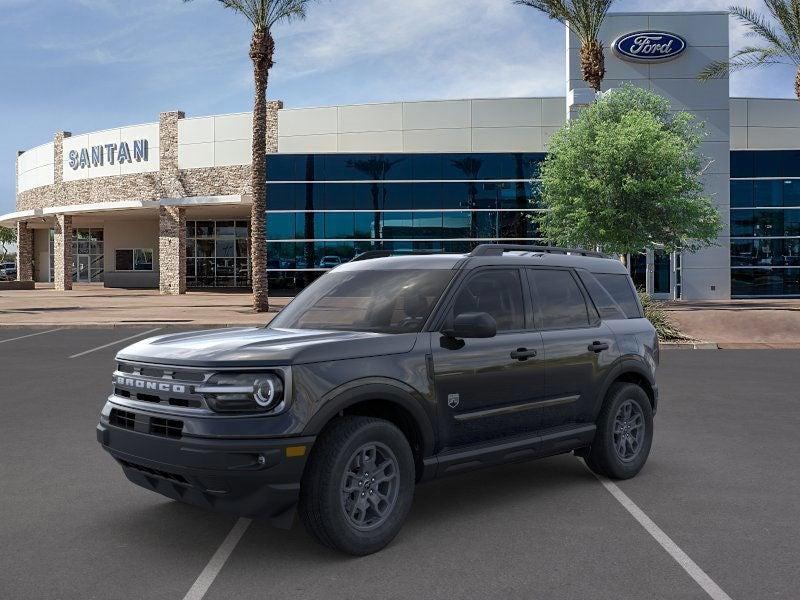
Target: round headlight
x=267 y=391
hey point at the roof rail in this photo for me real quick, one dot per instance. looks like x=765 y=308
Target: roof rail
x=499 y=249
x=384 y=253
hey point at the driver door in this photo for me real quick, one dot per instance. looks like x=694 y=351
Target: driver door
x=483 y=392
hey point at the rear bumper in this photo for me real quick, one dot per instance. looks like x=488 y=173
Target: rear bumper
x=253 y=478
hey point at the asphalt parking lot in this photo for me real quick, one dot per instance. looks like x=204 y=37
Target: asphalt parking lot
x=722 y=483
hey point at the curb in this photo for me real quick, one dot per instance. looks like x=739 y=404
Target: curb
x=689 y=345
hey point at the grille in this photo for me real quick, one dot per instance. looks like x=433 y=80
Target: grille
x=171 y=428
x=122 y=418
x=157 y=472
x=159 y=385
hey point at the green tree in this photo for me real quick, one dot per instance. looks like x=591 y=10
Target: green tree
x=8 y=236
x=584 y=19
x=626 y=175
x=778 y=36
x=263 y=15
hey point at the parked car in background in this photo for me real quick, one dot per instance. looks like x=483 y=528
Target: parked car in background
x=328 y=262
x=8 y=271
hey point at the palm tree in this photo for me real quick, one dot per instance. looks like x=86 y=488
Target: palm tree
x=780 y=41
x=262 y=15
x=583 y=18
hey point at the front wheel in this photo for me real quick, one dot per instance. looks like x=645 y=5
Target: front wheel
x=624 y=433
x=357 y=488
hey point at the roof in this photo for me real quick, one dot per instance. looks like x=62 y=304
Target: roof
x=594 y=264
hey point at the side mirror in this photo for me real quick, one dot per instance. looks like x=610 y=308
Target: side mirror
x=472 y=325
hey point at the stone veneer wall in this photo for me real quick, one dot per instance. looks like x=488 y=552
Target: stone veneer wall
x=62 y=250
x=24 y=252
x=171 y=250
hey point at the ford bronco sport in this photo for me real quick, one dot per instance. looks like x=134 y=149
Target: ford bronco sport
x=389 y=371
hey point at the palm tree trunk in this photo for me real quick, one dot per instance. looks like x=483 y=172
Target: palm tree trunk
x=797 y=84
x=261 y=51
x=593 y=64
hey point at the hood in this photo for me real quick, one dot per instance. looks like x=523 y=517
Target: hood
x=260 y=346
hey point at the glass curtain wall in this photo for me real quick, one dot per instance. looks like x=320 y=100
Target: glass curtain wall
x=323 y=209
x=765 y=223
x=218 y=254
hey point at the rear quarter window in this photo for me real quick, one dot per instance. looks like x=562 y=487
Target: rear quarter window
x=620 y=288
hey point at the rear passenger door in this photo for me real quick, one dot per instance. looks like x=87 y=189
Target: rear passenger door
x=579 y=348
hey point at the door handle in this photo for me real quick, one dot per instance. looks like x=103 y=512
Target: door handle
x=523 y=354
x=598 y=346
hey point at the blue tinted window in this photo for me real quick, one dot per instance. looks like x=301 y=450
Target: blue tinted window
x=397 y=225
x=741 y=194
x=456 y=224
x=426 y=166
x=396 y=196
x=282 y=196
x=426 y=195
x=791 y=222
x=339 y=196
x=455 y=195
x=742 y=222
x=339 y=225
x=765 y=282
x=280 y=226
x=367 y=225
x=281 y=167
x=768 y=193
x=309 y=225
x=791 y=192
x=768 y=163
x=742 y=164
x=427 y=224
x=366 y=196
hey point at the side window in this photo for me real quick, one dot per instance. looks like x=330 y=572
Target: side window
x=618 y=285
x=559 y=299
x=497 y=292
x=606 y=305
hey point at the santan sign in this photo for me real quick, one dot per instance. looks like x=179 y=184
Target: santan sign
x=649 y=46
x=97 y=156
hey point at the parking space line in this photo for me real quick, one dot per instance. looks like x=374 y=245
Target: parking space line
x=114 y=343
x=687 y=564
x=22 y=337
x=214 y=566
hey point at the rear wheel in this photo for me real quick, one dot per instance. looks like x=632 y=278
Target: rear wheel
x=624 y=433
x=357 y=488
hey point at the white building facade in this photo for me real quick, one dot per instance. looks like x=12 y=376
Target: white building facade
x=167 y=204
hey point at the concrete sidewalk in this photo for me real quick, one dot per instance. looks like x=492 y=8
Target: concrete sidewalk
x=732 y=324
x=93 y=305
x=740 y=323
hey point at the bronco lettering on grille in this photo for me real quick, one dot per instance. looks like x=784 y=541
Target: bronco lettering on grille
x=175 y=388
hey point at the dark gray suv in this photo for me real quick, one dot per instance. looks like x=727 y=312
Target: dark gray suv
x=386 y=372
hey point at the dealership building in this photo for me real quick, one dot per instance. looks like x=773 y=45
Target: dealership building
x=167 y=204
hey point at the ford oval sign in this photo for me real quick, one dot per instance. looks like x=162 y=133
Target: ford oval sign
x=649 y=46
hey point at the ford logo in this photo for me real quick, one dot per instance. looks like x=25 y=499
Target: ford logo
x=649 y=46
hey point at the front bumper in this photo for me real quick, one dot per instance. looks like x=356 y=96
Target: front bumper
x=256 y=478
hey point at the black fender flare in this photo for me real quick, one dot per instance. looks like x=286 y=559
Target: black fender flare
x=375 y=388
x=623 y=366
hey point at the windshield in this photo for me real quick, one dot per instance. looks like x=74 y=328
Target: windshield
x=391 y=301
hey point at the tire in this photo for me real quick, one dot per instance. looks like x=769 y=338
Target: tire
x=331 y=506
x=620 y=457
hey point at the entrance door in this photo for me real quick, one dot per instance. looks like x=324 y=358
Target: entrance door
x=83 y=268
x=662 y=269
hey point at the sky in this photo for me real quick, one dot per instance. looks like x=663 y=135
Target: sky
x=86 y=65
